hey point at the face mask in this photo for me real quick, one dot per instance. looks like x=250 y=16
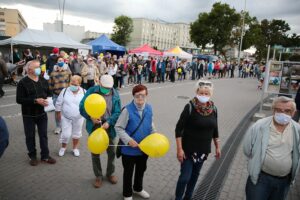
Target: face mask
x=73 y=88
x=60 y=64
x=105 y=90
x=282 y=119
x=37 y=71
x=203 y=99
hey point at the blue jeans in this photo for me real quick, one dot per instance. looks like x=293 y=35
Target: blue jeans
x=188 y=177
x=267 y=188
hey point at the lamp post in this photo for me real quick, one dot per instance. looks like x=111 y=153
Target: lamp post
x=242 y=34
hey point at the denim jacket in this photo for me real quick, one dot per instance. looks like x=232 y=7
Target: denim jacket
x=256 y=143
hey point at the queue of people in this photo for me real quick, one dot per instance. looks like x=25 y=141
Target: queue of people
x=271 y=144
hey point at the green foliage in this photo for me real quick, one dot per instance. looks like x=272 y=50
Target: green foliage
x=122 y=29
x=214 y=27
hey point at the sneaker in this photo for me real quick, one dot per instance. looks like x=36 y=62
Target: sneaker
x=76 y=152
x=33 y=162
x=49 y=160
x=127 y=198
x=62 y=152
x=143 y=194
x=98 y=182
x=57 y=131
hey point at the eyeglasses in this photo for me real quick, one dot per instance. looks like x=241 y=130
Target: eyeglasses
x=286 y=111
x=205 y=84
x=143 y=96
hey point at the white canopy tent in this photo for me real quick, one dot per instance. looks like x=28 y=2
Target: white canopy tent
x=177 y=51
x=38 y=38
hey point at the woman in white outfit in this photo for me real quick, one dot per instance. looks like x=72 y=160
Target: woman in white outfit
x=67 y=107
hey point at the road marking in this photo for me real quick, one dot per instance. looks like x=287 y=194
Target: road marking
x=8 y=105
x=12 y=116
x=10 y=90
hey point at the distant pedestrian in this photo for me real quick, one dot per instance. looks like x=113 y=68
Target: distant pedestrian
x=198 y=116
x=90 y=74
x=67 y=108
x=32 y=93
x=59 y=79
x=3 y=74
x=272 y=148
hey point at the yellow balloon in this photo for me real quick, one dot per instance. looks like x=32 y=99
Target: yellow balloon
x=155 y=145
x=43 y=67
x=98 y=141
x=95 y=105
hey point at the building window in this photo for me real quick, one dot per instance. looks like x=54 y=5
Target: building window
x=1 y=13
x=2 y=20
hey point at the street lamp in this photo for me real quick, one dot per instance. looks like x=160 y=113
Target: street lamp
x=242 y=34
x=62 y=12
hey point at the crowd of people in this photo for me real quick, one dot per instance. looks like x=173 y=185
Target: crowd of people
x=271 y=144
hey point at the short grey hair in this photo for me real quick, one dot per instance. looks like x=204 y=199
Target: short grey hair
x=30 y=63
x=283 y=99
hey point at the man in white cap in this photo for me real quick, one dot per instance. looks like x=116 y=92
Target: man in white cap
x=107 y=122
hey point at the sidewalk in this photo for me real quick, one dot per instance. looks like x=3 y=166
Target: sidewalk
x=72 y=178
x=234 y=186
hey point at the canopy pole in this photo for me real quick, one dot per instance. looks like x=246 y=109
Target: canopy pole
x=11 y=52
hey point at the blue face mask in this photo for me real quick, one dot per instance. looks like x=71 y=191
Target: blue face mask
x=37 y=71
x=203 y=99
x=60 y=64
x=73 y=88
x=282 y=119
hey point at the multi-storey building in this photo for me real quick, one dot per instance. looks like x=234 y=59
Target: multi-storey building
x=159 y=34
x=75 y=32
x=11 y=22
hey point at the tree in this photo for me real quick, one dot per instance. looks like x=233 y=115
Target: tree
x=265 y=33
x=214 y=27
x=122 y=29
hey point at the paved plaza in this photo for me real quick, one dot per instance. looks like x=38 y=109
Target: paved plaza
x=72 y=177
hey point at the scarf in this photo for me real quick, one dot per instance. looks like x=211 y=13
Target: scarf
x=203 y=110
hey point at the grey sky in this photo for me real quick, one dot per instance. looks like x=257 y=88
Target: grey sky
x=167 y=10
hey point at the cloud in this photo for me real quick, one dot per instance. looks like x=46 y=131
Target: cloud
x=167 y=10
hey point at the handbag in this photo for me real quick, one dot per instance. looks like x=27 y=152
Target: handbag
x=120 y=143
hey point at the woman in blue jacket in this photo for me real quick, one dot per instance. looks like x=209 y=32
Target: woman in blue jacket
x=134 y=124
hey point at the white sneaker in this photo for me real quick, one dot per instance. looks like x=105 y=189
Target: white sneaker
x=127 y=198
x=143 y=194
x=62 y=152
x=76 y=152
x=57 y=131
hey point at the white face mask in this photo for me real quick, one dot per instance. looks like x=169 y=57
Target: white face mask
x=203 y=99
x=282 y=119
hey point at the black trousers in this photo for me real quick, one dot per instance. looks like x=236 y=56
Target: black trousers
x=139 y=163
x=1 y=85
x=29 y=128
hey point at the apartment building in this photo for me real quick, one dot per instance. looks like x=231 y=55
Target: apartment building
x=11 y=22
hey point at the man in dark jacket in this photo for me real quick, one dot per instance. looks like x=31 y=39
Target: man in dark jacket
x=297 y=101
x=3 y=74
x=52 y=60
x=32 y=93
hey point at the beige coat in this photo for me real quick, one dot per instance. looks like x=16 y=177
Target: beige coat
x=84 y=73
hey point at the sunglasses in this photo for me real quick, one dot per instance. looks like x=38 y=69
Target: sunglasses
x=205 y=84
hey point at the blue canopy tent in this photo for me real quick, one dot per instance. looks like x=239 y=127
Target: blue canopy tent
x=104 y=44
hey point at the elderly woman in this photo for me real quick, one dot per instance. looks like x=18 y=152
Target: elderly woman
x=195 y=129
x=90 y=74
x=134 y=124
x=67 y=108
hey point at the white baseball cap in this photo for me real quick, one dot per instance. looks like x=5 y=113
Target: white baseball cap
x=107 y=81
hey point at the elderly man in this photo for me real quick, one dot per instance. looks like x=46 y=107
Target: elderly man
x=107 y=122
x=32 y=93
x=272 y=147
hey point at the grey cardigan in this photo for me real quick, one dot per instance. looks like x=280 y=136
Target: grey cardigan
x=256 y=143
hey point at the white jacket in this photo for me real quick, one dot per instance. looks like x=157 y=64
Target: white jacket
x=68 y=103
